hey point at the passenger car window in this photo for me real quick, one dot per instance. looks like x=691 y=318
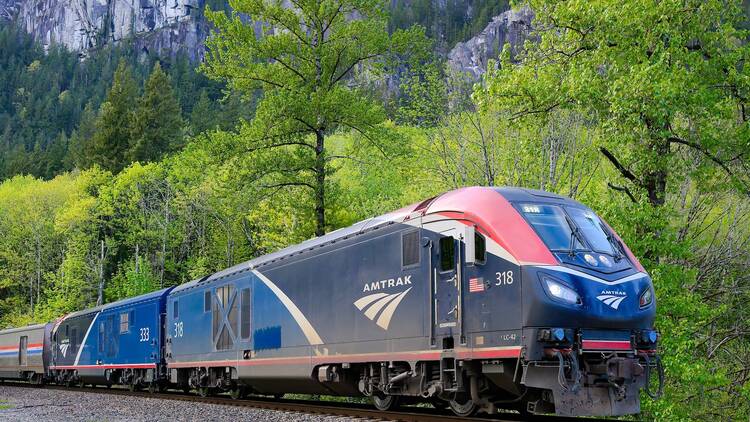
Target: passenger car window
x=447 y=253
x=23 y=351
x=410 y=248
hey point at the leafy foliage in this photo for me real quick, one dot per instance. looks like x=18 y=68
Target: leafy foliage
x=44 y=97
x=665 y=84
x=304 y=64
x=635 y=108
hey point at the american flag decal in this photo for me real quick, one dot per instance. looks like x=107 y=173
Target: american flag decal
x=476 y=285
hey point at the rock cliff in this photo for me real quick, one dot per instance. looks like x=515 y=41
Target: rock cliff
x=512 y=26
x=162 y=26
x=166 y=27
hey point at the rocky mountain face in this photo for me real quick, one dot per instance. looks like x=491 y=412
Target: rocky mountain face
x=512 y=26
x=167 y=27
x=8 y=9
x=162 y=26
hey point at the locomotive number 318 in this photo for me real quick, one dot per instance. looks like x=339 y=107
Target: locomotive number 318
x=178 y=329
x=504 y=278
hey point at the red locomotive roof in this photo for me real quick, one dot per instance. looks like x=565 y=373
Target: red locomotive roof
x=495 y=216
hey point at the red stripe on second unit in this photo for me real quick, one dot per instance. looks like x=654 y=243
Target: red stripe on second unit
x=107 y=366
x=484 y=353
x=606 y=345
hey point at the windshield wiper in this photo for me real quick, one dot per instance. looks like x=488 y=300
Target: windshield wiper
x=574 y=234
x=616 y=246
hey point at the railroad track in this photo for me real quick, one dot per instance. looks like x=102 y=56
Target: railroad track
x=321 y=408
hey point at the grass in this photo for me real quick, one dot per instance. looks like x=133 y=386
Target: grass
x=4 y=405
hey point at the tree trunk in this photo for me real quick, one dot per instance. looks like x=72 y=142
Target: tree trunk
x=100 y=292
x=320 y=180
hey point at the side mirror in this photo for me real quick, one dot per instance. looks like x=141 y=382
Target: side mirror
x=469 y=239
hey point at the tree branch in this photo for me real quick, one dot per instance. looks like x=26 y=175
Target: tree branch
x=719 y=162
x=622 y=169
x=354 y=63
x=285 y=184
x=623 y=189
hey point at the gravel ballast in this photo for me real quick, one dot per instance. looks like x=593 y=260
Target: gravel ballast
x=37 y=405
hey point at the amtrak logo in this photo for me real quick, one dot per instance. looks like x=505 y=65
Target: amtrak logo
x=387 y=284
x=377 y=302
x=64 y=348
x=612 y=298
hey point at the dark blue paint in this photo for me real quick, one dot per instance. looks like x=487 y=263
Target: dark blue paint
x=267 y=338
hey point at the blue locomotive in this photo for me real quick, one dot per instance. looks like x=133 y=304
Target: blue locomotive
x=477 y=299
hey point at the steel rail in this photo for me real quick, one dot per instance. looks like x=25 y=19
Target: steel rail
x=310 y=407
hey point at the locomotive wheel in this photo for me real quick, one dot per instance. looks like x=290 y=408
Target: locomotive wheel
x=152 y=387
x=237 y=393
x=205 y=391
x=463 y=407
x=133 y=386
x=385 y=403
x=439 y=404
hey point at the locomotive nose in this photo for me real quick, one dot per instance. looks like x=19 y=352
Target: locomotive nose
x=556 y=296
x=622 y=299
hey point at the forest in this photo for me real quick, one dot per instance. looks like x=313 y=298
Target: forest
x=165 y=171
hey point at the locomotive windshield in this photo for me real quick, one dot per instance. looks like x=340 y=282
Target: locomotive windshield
x=569 y=228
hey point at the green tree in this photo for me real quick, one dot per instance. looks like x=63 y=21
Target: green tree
x=663 y=78
x=204 y=115
x=110 y=144
x=80 y=139
x=666 y=85
x=157 y=125
x=304 y=64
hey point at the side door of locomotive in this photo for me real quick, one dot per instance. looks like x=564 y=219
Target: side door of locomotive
x=446 y=287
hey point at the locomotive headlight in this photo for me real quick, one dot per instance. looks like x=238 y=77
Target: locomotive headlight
x=558 y=290
x=646 y=297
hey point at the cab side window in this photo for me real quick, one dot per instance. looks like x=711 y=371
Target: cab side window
x=480 y=248
x=447 y=253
